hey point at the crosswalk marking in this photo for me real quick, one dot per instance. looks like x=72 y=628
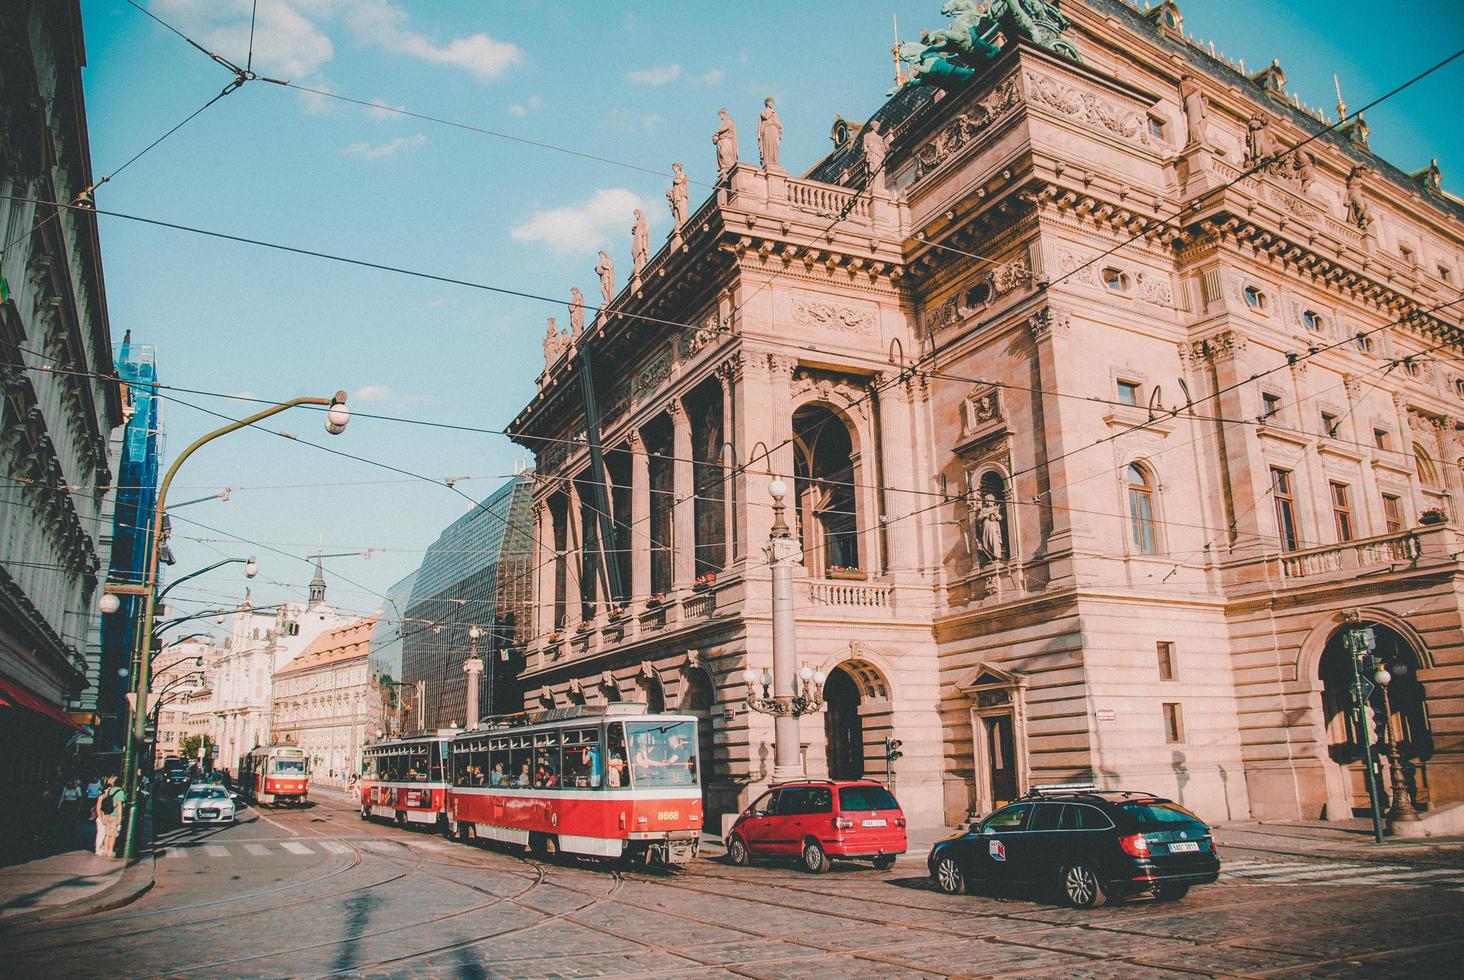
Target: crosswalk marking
x=216 y=850
x=336 y=847
x=1252 y=872
x=258 y=850
x=175 y=853
x=295 y=847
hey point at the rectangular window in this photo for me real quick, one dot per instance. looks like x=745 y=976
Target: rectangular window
x=1392 y=513
x=1270 y=405
x=1173 y=723
x=1285 y=499
x=1406 y=254
x=1128 y=393
x=1445 y=274
x=1165 y=649
x=1380 y=438
x=1342 y=511
x=1329 y=424
x=1156 y=128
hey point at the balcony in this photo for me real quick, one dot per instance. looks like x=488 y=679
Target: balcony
x=1362 y=558
x=850 y=595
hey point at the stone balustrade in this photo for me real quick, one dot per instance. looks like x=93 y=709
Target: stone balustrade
x=1351 y=556
x=826 y=200
x=860 y=595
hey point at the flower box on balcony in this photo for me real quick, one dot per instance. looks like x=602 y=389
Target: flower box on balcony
x=848 y=574
x=704 y=582
x=615 y=613
x=656 y=601
x=1434 y=515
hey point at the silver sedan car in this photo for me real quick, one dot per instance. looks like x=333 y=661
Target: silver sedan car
x=208 y=804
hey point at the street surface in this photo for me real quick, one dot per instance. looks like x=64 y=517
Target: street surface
x=317 y=892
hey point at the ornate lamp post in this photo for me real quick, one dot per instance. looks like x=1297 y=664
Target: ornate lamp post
x=473 y=667
x=786 y=695
x=1402 y=809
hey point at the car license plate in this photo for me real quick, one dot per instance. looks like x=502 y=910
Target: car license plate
x=208 y=814
x=875 y=823
x=1186 y=846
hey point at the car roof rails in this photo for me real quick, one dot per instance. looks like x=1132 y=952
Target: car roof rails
x=1060 y=789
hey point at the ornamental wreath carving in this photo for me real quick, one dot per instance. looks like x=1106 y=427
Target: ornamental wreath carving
x=960 y=131
x=1012 y=275
x=815 y=313
x=694 y=340
x=1087 y=108
x=942 y=316
x=652 y=375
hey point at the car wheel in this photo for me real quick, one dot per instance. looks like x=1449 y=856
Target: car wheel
x=949 y=877
x=815 y=861
x=1080 y=885
x=1170 y=891
x=737 y=852
x=884 y=862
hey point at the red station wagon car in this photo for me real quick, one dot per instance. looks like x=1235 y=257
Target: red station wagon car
x=815 y=820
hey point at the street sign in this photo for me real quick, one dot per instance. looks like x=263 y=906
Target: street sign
x=152 y=701
x=1362 y=690
x=1107 y=714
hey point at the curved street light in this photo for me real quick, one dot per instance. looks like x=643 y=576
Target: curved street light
x=337 y=416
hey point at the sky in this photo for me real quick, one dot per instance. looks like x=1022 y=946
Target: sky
x=629 y=87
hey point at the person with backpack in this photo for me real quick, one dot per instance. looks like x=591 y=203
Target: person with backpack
x=108 y=816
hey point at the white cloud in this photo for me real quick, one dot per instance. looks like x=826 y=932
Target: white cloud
x=713 y=76
x=586 y=226
x=521 y=109
x=622 y=120
x=375 y=151
x=372 y=394
x=654 y=75
x=380 y=23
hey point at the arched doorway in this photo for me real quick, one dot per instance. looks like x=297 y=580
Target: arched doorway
x=1406 y=721
x=843 y=726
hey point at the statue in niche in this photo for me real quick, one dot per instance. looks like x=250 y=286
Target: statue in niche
x=605 y=269
x=1358 y=210
x=678 y=197
x=769 y=137
x=988 y=520
x=874 y=152
x=1196 y=113
x=725 y=140
x=640 y=248
x=576 y=312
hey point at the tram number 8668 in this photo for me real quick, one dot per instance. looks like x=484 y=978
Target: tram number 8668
x=669 y=815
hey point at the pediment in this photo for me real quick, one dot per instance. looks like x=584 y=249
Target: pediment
x=985 y=676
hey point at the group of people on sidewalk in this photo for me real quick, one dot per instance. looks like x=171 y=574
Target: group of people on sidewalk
x=101 y=802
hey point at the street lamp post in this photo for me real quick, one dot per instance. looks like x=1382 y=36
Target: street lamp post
x=787 y=694
x=336 y=418
x=1402 y=809
x=473 y=667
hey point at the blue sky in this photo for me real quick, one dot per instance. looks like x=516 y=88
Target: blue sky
x=638 y=83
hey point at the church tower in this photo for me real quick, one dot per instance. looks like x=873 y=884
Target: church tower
x=317 y=587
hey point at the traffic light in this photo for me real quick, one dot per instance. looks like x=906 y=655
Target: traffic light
x=892 y=749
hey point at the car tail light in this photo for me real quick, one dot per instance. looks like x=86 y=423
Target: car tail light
x=843 y=823
x=900 y=822
x=1135 y=845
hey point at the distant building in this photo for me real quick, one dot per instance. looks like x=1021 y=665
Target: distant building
x=385 y=664
x=60 y=403
x=261 y=641
x=477 y=573
x=322 y=700
x=179 y=683
x=126 y=524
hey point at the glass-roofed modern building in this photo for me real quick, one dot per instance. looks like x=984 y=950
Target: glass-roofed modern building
x=477 y=573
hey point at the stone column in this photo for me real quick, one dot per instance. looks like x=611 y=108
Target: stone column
x=544 y=566
x=1405 y=446
x=1050 y=328
x=574 y=558
x=897 y=437
x=683 y=519
x=640 y=520
x=729 y=372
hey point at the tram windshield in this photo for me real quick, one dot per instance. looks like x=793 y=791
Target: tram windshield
x=289 y=765
x=662 y=753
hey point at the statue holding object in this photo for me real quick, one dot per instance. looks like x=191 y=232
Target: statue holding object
x=948 y=57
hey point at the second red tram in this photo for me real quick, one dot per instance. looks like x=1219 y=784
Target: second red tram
x=275 y=774
x=405 y=779
x=609 y=781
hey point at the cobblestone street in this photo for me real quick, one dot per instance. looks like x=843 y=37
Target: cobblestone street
x=317 y=892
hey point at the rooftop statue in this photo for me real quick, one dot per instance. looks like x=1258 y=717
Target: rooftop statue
x=677 y=196
x=948 y=57
x=725 y=139
x=640 y=235
x=769 y=137
x=605 y=269
x=576 y=312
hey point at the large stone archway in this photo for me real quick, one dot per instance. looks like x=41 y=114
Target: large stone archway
x=857 y=719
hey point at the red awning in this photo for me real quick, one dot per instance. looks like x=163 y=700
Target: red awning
x=16 y=695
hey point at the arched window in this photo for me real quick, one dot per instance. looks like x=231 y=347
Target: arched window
x=1428 y=473
x=827 y=509
x=1141 y=510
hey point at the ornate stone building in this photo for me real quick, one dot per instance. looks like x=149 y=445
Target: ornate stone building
x=1097 y=439
x=323 y=702
x=61 y=401
x=182 y=688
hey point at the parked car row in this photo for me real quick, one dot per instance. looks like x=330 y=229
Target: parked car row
x=1072 y=840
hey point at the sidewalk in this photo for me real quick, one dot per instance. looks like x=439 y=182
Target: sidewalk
x=77 y=882
x=1335 y=838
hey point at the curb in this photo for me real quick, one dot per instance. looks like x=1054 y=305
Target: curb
x=135 y=881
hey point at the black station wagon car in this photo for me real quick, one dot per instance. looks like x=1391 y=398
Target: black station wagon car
x=1083 y=844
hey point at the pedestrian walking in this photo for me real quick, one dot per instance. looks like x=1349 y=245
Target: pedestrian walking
x=94 y=789
x=108 y=816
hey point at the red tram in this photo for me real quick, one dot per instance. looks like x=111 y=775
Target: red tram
x=406 y=780
x=608 y=781
x=275 y=774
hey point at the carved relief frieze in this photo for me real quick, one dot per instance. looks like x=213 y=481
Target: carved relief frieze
x=960 y=131
x=819 y=313
x=832 y=388
x=941 y=316
x=1015 y=274
x=1088 y=109
x=693 y=340
x=981 y=407
x=652 y=376
x=1155 y=288
x=1076 y=267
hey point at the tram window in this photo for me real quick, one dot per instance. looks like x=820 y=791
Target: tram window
x=663 y=753
x=520 y=765
x=615 y=772
x=368 y=767
x=288 y=765
x=501 y=774
x=581 y=759
x=436 y=763
x=546 y=760
x=418 y=764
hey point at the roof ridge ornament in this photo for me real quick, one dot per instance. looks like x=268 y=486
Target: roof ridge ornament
x=951 y=56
